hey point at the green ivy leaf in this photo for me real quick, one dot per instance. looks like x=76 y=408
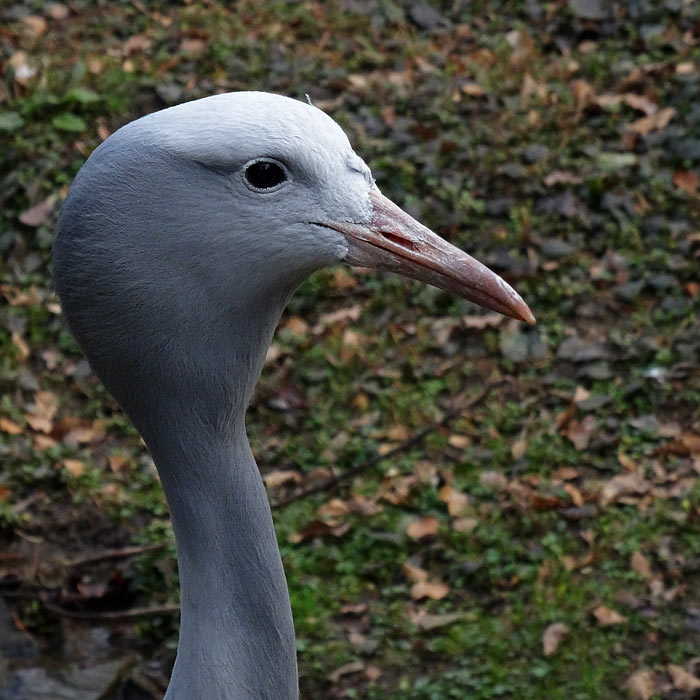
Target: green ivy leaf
x=82 y=95
x=9 y=121
x=69 y=122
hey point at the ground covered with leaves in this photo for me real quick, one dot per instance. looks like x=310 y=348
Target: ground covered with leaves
x=521 y=517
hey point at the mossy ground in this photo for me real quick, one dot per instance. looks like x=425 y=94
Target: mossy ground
x=514 y=129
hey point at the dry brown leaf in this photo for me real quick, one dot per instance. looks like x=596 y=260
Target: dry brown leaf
x=456 y=501
x=641 y=564
x=473 y=89
x=95 y=64
x=608 y=100
x=344 y=279
x=372 y=673
x=40 y=418
x=388 y=113
x=37 y=215
x=57 y=11
x=136 y=43
x=542 y=501
x=351 y=339
x=118 y=463
x=607 y=616
x=692 y=442
x=641 y=103
x=686 y=180
x=461 y=442
x=65 y=424
x=425 y=471
x=553 y=636
x=21 y=344
x=83 y=434
x=414 y=573
x=346 y=670
x=352 y=313
x=43 y=442
x=641 y=685
x=575 y=495
x=493 y=479
x=483 y=321
x=517 y=449
x=20 y=297
x=581 y=394
x=627 y=462
x=36 y=26
x=23 y=71
x=482 y=57
x=103 y=132
x=364 y=506
x=357 y=80
x=628 y=484
x=297 y=325
x=357 y=639
x=523 y=49
x=273 y=353
x=557 y=177
x=682 y=680
x=399 y=433
x=579 y=432
x=335 y=508
x=361 y=402
x=568 y=562
x=45 y=403
x=10 y=427
x=654 y=122
x=442 y=329
x=193 y=46
x=686 y=444
x=74 y=466
x=427 y=622
x=423 y=527
x=563 y=417
x=691 y=288
x=398 y=490
x=588 y=536
x=466 y=525
x=278 y=477
x=584 y=93
x=353 y=609
x=532 y=87
x=318 y=528
x=436 y=590
x=566 y=473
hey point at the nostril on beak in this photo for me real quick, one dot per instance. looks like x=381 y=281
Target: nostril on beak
x=399 y=240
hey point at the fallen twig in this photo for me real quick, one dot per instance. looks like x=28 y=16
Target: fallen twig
x=133 y=614
x=334 y=481
x=120 y=553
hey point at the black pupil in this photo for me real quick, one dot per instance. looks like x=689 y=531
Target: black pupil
x=264 y=175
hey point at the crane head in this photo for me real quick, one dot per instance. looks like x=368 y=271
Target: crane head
x=186 y=232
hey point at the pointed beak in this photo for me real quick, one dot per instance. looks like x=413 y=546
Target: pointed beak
x=395 y=241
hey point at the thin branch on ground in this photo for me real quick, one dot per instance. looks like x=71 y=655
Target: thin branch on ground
x=335 y=481
x=132 y=614
x=120 y=553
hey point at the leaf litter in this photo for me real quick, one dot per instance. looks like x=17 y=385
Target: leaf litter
x=572 y=161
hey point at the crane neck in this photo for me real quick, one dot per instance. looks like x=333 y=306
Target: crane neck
x=236 y=628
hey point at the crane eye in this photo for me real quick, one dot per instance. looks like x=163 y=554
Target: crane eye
x=264 y=174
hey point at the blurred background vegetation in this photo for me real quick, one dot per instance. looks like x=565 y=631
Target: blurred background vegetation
x=542 y=543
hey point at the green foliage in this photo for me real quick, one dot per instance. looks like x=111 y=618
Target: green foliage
x=509 y=128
